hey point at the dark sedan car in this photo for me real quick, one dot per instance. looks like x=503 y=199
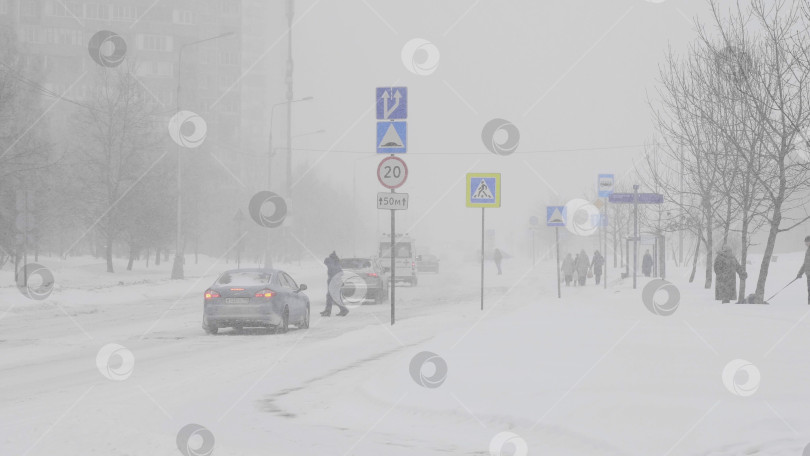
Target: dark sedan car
x=363 y=280
x=255 y=297
x=427 y=263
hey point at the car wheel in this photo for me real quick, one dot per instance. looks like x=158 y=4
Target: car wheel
x=285 y=322
x=209 y=328
x=304 y=324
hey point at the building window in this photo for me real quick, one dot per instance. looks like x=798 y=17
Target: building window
x=160 y=43
x=30 y=34
x=183 y=17
x=230 y=58
x=230 y=6
x=30 y=8
x=124 y=13
x=96 y=11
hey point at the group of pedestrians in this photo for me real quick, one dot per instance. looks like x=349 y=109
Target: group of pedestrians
x=578 y=270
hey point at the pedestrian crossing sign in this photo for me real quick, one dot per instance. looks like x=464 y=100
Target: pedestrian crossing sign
x=483 y=190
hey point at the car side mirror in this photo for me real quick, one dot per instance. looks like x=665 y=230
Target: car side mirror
x=302 y=287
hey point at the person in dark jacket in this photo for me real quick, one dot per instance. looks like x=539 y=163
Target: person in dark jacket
x=806 y=266
x=568 y=269
x=583 y=264
x=726 y=267
x=596 y=264
x=647 y=264
x=333 y=270
x=498 y=257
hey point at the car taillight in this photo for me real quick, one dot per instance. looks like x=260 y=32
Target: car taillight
x=265 y=294
x=211 y=294
x=372 y=274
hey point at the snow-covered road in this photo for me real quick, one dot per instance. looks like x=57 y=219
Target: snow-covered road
x=593 y=373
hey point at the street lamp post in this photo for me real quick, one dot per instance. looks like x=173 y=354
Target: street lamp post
x=177 y=267
x=268 y=262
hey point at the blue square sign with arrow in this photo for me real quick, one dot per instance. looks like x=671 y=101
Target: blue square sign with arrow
x=392 y=137
x=392 y=103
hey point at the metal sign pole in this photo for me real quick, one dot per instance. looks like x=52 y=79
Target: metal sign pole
x=604 y=252
x=393 y=263
x=482 y=258
x=557 y=242
x=635 y=232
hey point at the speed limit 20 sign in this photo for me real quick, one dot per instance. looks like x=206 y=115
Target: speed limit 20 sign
x=392 y=172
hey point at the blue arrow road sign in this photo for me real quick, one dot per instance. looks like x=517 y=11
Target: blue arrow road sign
x=605 y=185
x=555 y=215
x=392 y=137
x=392 y=103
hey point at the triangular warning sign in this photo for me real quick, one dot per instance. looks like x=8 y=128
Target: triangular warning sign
x=391 y=139
x=556 y=217
x=482 y=192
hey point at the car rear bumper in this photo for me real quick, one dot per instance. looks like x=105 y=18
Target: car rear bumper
x=260 y=314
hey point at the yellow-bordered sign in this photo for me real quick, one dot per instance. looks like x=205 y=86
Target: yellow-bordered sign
x=483 y=189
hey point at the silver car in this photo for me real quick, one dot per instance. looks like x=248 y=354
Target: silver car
x=255 y=297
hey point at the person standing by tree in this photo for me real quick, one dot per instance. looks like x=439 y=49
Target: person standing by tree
x=596 y=264
x=727 y=267
x=806 y=266
x=498 y=257
x=647 y=264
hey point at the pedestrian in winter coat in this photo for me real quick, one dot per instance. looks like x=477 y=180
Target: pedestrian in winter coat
x=647 y=264
x=568 y=269
x=596 y=264
x=806 y=266
x=726 y=267
x=333 y=272
x=498 y=256
x=583 y=264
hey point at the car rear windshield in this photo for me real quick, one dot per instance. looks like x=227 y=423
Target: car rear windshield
x=355 y=263
x=244 y=278
x=403 y=250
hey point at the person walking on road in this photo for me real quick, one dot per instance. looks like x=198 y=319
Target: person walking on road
x=583 y=264
x=647 y=264
x=806 y=266
x=568 y=269
x=596 y=264
x=333 y=271
x=498 y=257
x=726 y=267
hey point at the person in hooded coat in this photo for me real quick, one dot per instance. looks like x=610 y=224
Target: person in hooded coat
x=726 y=267
x=333 y=269
x=647 y=264
x=568 y=269
x=596 y=264
x=583 y=264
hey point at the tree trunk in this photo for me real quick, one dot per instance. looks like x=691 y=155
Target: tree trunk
x=157 y=256
x=743 y=256
x=109 y=252
x=132 y=253
x=759 y=294
x=695 y=258
x=147 y=257
x=709 y=247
